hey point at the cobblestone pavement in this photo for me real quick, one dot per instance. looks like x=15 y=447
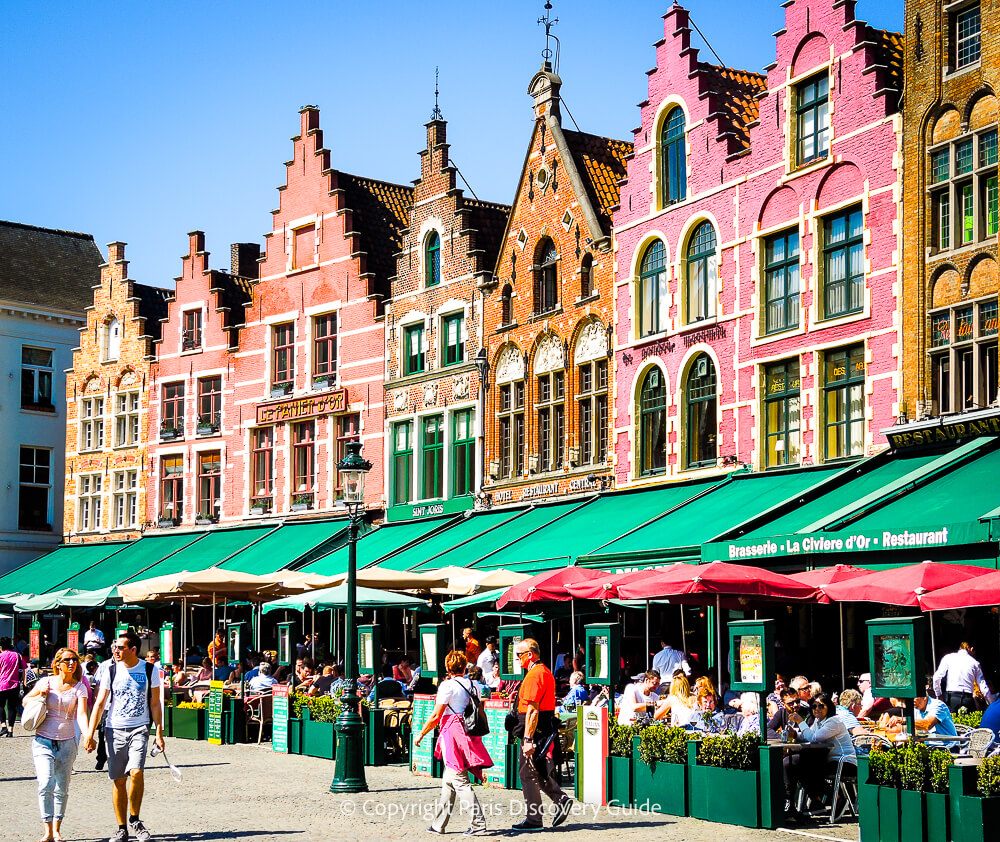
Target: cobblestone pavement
x=250 y=793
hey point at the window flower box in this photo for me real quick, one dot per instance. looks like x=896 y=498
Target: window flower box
x=323 y=382
x=167 y=522
x=206 y=519
x=208 y=424
x=169 y=433
x=279 y=390
x=302 y=502
x=260 y=505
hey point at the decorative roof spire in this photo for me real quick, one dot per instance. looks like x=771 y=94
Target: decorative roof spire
x=436 y=113
x=548 y=22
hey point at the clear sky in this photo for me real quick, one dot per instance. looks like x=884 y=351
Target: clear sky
x=143 y=121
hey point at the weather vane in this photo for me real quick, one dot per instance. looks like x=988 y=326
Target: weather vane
x=548 y=22
x=436 y=113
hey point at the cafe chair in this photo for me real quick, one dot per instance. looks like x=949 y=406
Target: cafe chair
x=845 y=786
x=864 y=743
x=962 y=729
x=980 y=740
x=259 y=712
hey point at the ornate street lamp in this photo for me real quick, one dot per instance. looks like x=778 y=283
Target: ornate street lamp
x=349 y=774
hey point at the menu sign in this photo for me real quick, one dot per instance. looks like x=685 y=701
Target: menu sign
x=167 y=643
x=279 y=725
x=422 y=756
x=366 y=646
x=73 y=637
x=600 y=657
x=299 y=409
x=750 y=661
x=35 y=642
x=496 y=741
x=428 y=651
x=893 y=661
x=215 y=713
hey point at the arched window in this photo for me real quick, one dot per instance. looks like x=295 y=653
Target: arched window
x=701 y=415
x=432 y=260
x=546 y=277
x=507 y=305
x=653 y=290
x=673 y=160
x=653 y=424
x=112 y=339
x=701 y=270
x=587 y=276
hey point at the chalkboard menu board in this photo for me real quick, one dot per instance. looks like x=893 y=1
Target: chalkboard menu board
x=215 y=713
x=279 y=726
x=496 y=742
x=422 y=756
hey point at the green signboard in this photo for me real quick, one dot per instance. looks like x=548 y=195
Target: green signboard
x=751 y=643
x=431 y=641
x=234 y=640
x=895 y=651
x=215 y=713
x=73 y=637
x=279 y=724
x=496 y=742
x=285 y=644
x=508 y=638
x=167 y=644
x=369 y=649
x=434 y=508
x=603 y=658
x=422 y=756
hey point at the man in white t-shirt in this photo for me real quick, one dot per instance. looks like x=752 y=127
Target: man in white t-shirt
x=637 y=696
x=134 y=689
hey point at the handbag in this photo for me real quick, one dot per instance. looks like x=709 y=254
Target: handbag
x=35 y=711
x=474 y=718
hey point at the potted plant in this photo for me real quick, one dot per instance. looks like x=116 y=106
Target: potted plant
x=318 y=715
x=724 y=779
x=322 y=381
x=975 y=800
x=659 y=770
x=279 y=390
x=208 y=423
x=169 y=432
x=188 y=720
x=260 y=505
x=206 y=518
x=903 y=794
x=166 y=522
x=302 y=502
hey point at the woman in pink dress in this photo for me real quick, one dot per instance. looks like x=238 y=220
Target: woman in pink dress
x=460 y=752
x=55 y=743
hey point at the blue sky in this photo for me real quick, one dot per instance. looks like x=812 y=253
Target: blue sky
x=141 y=121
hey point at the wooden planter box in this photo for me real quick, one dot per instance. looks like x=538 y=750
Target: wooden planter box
x=662 y=788
x=620 y=781
x=234 y=726
x=973 y=818
x=887 y=814
x=188 y=723
x=318 y=738
x=168 y=721
x=728 y=796
x=295 y=736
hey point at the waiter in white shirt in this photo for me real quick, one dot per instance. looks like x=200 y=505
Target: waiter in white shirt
x=93 y=639
x=669 y=659
x=964 y=672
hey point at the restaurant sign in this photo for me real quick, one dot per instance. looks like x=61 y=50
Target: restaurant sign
x=946 y=431
x=298 y=409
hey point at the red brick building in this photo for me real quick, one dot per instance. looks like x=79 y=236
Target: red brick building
x=548 y=313
x=434 y=330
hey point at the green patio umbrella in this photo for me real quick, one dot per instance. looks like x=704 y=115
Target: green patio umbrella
x=336 y=597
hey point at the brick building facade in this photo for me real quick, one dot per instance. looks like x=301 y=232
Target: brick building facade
x=107 y=407
x=757 y=245
x=952 y=208
x=433 y=333
x=548 y=312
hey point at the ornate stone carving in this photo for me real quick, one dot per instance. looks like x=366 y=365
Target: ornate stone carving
x=399 y=400
x=129 y=378
x=430 y=394
x=92 y=385
x=460 y=386
x=549 y=356
x=592 y=343
x=510 y=366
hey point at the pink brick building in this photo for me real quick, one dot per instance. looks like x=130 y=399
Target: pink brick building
x=757 y=244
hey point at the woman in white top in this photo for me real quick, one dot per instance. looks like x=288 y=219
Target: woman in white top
x=680 y=703
x=55 y=743
x=827 y=727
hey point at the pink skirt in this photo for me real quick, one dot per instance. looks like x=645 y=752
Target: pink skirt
x=458 y=750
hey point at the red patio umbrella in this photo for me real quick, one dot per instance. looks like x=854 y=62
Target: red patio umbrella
x=549 y=586
x=606 y=586
x=982 y=591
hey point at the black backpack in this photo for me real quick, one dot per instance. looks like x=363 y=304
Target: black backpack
x=474 y=718
x=149 y=687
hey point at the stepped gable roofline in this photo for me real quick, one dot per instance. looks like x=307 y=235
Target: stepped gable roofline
x=601 y=163
x=151 y=306
x=733 y=101
x=489 y=219
x=48 y=268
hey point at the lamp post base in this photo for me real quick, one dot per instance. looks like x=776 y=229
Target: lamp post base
x=349 y=774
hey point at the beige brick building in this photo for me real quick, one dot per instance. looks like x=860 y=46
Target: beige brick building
x=107 y=401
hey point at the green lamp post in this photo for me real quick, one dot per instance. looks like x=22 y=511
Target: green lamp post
x=349 y=775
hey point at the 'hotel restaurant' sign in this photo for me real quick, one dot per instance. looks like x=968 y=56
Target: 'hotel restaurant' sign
x=299 y=409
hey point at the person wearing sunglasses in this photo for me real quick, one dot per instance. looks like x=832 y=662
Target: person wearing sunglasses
x=828 y=729
x=55 y=744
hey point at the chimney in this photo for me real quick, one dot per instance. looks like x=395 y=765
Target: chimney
x=243 y=260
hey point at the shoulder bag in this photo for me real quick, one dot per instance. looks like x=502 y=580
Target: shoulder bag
x=35 y=711
x=474 y=718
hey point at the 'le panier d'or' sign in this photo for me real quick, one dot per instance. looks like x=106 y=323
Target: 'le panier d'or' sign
x=296 y=409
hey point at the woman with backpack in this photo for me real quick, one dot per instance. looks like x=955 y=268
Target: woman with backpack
x=55 y=743
x=461 y=752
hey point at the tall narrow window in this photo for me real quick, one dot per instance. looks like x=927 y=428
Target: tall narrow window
x=35 y=482
x=209 y=404
x=432 y=457
x=701 y=272
x=781 y=279
x=127 y=419
x=92 y=424
x=963 y=193
x=191 y=330
x=402 y=462
x=348 y=430
x=943 y=219
x=36 y=378
x=551 y=421
x=653 y=292
x=781 y=413
x=507 y=305
x=587 y=276
x=432 y=260
x=126 y=492
x=415 y=349
x=653 y=424
x=172 y=488
x=592 y=413
x=89 y=502
x=209 y=484
x=813 y=119
x=511 y=429
x=673 y=159
x=261 y=466
x=303 y=461
x=845 y=402
x=172 y=411
x=304 y=246
x=452 y=328
x=463 y=453
x=283 y=360
x=547 y=278
x=702 y=447
x=843 y=263
x=968 y=43
x=325 y=348
x=111 y=340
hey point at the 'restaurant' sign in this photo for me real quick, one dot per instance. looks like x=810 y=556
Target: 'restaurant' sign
x=297 y=409
x=945 y=431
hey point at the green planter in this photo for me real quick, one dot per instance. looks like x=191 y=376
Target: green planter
x=318 y=738
x=188 y=723
x=513 y=759
x=938 y=820
x=234 y=726
x=374 y=737
x=888 y=814
x=973 y=818
x=295 y=736
x=168 y=721
x=728 y=796
x=662 y=788
x=867 y=803
x=620 y=781
x=912 y=816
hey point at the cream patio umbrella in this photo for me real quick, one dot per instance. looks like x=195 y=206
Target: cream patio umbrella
x=464 y=582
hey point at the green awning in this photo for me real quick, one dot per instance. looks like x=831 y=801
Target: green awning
x=210 y=549
x=464 y=533
x=387 y=539
x=58 y=568
x=292 y=545
x=132 y=562
x=336 y=597
x=484 y=598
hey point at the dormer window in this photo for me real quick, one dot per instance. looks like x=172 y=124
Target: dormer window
x=112 y=339
x=813 y=119
x=432 y=260
x=673 y=159
x=191 y=330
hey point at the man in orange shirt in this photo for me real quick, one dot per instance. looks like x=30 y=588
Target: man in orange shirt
x=538 y=728
x=472 y=647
